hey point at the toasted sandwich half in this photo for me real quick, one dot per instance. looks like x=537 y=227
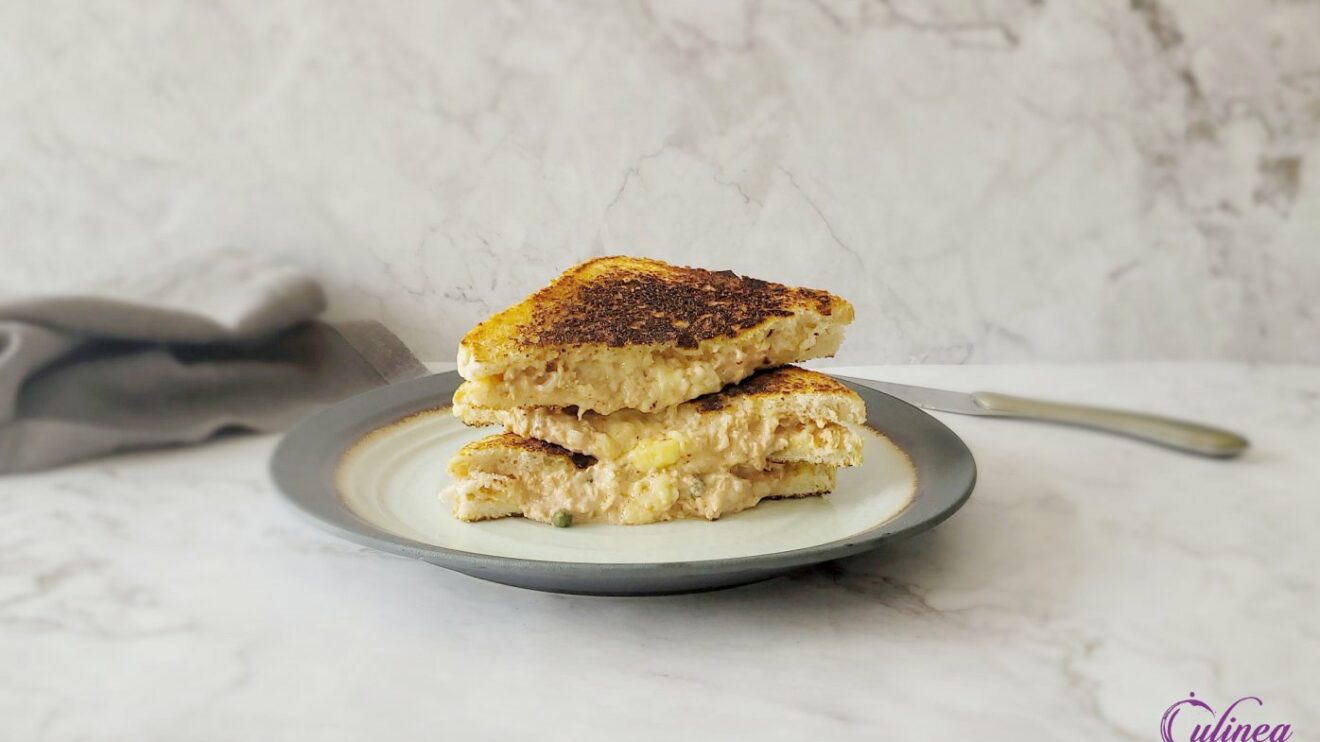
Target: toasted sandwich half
x=780 y=415
x=630 y=333
x=506 y=474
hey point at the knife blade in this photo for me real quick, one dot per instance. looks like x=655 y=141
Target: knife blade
x=1183 y=435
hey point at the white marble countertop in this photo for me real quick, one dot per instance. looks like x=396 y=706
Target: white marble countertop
x=1089 y=583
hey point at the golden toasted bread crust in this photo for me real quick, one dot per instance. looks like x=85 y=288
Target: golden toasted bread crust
x=785 y=381
x=621 y=301
x=505 y=441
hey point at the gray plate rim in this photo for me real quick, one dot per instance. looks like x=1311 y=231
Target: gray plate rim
x=303 y=465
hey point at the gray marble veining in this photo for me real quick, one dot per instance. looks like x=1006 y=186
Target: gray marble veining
x=1025 y=180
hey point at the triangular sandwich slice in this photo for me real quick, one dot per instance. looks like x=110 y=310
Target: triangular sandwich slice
x=780 y=415
x=631 y=333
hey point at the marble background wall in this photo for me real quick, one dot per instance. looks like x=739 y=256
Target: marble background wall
x=986 y=181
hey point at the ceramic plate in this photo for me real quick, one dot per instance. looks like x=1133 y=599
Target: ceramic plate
x=370 y=469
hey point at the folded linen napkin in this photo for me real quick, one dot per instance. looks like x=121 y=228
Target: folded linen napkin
x=224 y=340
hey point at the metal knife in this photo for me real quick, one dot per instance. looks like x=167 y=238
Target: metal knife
x=1167 y=431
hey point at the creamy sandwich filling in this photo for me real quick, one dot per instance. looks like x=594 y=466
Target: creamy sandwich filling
x=690 y=442
x=607 y=493
x=647 y=378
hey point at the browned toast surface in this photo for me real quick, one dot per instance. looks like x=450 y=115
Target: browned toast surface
x=786 y=381
x=621 y=301
x=509 y=441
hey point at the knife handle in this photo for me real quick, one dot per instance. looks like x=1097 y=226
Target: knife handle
x=1179 y=434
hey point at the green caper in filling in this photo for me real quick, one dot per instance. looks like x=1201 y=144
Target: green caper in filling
x=561 y=519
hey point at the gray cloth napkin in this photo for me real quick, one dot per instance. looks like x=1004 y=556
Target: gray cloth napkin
x=221 y=341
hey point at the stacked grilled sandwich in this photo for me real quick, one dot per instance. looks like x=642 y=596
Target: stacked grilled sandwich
x=633 y=391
